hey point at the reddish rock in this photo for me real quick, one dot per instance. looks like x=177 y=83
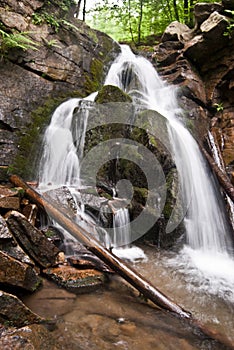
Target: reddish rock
x=17 y=274
x=75 y=280
x=10 y=203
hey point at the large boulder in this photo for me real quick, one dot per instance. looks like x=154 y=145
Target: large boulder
x=63 y=58
x=203 y=68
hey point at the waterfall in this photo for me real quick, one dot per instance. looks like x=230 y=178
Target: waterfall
x=205 y=222
x=207 y=229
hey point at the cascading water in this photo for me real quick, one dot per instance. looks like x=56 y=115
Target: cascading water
x=209 y=246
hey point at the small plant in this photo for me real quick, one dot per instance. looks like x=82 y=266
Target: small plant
x=52 y=43
x=38 y=18
x=230 y=27
x=16 y=40
x=68 y=24
x=219 y=107
x=53 y=21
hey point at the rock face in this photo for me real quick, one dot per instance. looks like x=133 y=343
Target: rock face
x=200 y=61
x=64 y=58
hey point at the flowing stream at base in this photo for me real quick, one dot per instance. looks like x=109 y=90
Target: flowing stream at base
x=205 y=265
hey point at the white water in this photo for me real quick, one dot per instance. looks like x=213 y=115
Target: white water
x=209 y=246
x=219 y=161
x=207 y=231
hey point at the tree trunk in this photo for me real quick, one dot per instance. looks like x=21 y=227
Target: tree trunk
x=77 y=9
x=128 y=273
x=137 y=281
x=176 y=10
x=139 y=22
x=129 y=19
x=186 y=12
x=84 y=10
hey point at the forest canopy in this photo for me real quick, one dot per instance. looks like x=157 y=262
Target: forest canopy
x=135 y=20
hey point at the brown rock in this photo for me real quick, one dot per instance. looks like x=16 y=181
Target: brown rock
x=35 y=337
x=4 y=231
x=75 y=280
x=14 y=312
x=17 y=274
x=10 y=203
x=33 y=241
x=30 y=212
x=13 y=20
x=176 y=31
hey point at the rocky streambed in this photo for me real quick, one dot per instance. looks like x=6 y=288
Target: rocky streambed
x=53 y=301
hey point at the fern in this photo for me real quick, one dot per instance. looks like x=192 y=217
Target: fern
x=16 y=40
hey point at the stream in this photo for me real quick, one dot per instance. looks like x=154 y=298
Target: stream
x=199 y=277
x=116 y=317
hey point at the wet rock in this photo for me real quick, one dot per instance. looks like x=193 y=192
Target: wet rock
x=74 y=280
x=63 y=196
x=33 y=241
x=228 y=4
x=9 y=245
x=14 y=312
x=34 y=336
x=10 y=203
x=110 y=93
x=30 y=212
x=8 y=198
x=17 y=274
x=5 y=234
x=71 y=60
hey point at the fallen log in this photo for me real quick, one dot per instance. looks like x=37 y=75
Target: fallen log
x=128 y=273
x=143 y=286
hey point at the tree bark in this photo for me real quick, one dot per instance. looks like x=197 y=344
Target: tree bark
x=143 y=286
x=77 y=9
x=128 y=273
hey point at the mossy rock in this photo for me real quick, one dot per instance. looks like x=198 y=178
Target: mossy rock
x=30 y=140
x=110 y=93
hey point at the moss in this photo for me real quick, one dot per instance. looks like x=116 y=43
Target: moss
x=140 y=195
x=29 y=144
x=93 y=82
x=110 y=93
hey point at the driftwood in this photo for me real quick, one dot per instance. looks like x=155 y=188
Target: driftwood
x=135 y=279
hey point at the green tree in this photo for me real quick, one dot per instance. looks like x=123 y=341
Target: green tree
x=135 y=20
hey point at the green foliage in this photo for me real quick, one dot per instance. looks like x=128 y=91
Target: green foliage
x=52 y=20
x=52 y=43
x=230 y=27
x=219 y=107
x=40 y=18
x=135 y=20
x=16 y=39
